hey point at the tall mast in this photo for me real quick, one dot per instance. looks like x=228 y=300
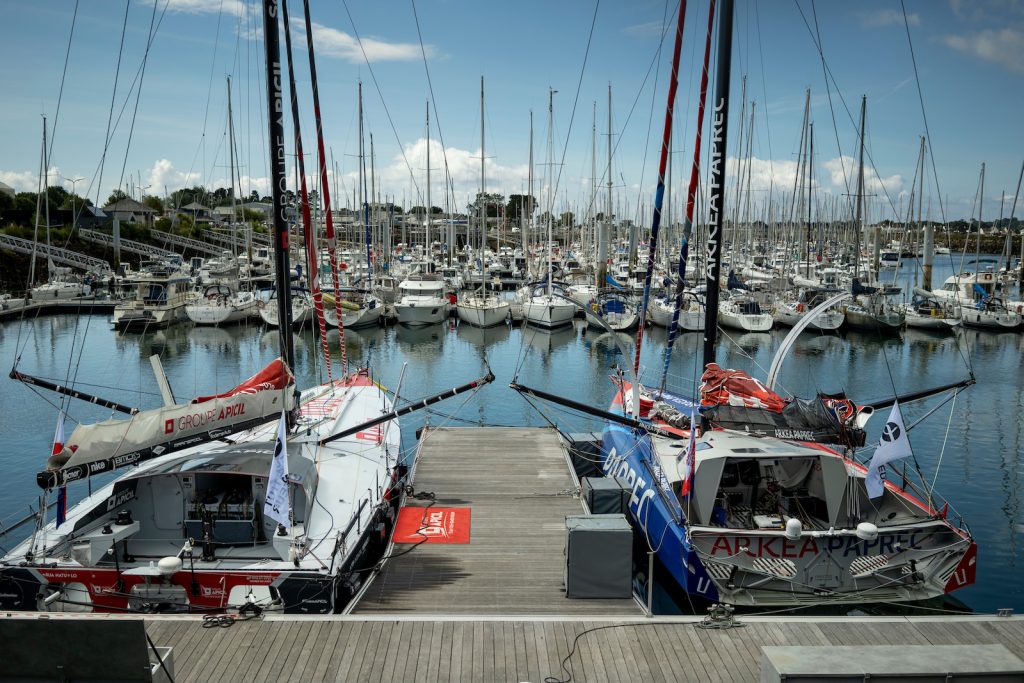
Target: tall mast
x=308 y=226
x=810 y=196
x=483 y=191
x=278 y=180
x=720 y=126
x=928 y=248
x=529 y=201
x=593 y=195
x=659 y=194
x=427 y=236
x=606 y=224
x=691 y=196
x=858 y=211
x=231 y=156
x=551 y=184
x=325 y=187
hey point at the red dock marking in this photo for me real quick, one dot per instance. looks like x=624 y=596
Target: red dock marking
x=433 y=525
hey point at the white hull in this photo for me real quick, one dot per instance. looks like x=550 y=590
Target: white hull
x=421 y=311
x=362 y=317
x=57 y=291
x=746 y=322
x=302 y=311
x=827 y=321
x=223 y=312
x=990 y=320
x=548 y=311
x=134 y=314
x=486 y=312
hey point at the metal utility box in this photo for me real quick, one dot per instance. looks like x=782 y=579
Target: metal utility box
x=606 y=495
x=598 y=556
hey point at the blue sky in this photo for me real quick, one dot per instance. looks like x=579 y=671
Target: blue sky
x=970 y=57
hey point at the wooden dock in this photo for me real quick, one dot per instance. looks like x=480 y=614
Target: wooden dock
x=361 y=648
x=517 y=484
x=19 y=308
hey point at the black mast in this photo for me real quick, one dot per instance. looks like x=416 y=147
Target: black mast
x=719 y=121
x=278 y=181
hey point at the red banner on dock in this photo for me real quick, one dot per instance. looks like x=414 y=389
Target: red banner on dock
x=432 y=525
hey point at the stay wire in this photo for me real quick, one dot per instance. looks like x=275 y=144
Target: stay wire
x=113 y=100
x=380 y=94
x=138 y=92
x=576 y=99
x=60 y=93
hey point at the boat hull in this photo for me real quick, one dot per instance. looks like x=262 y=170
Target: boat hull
x=421 y=313
x=548 y=312
x=483 y=314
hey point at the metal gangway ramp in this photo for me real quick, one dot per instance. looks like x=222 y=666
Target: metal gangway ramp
x=64 y=257
x=130 y=246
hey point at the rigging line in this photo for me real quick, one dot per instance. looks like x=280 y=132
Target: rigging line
x=849 y=114
x=376 y=85
x=60 y=93
x=572 y=116
x=764 y=92
x=433 y=100
x=650 y=116
x=828 y=91
x=924 y=114
x=113 y=99
x=209 y=86
x=138 y=92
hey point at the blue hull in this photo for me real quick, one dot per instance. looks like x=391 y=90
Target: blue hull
x=654 y=509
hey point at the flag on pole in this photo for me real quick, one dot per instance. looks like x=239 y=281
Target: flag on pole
x=277 y=505
x=689 y=459
x=893 y=445
x=62 y=492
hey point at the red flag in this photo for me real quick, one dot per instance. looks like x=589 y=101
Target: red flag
x=62 y=492
x=689 y=459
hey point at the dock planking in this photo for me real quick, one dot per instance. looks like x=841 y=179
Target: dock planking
x=375 y=648
x=517 y=484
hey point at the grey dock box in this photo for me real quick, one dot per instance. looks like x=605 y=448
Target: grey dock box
x=606 y=495
x=598 y=556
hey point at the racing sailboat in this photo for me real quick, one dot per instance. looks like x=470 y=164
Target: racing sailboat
x=183 y=529
x=748 y=498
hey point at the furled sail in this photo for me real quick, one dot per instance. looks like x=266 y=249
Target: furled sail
x=108 y=445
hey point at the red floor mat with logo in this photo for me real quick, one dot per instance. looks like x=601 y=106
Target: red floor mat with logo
x=436 y=525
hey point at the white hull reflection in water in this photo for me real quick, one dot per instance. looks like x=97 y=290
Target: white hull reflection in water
x=981 y=468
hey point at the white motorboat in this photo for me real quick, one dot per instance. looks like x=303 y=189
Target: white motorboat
x=423 y=301
x=162 y=290
x=976 y=297
x=929 y=314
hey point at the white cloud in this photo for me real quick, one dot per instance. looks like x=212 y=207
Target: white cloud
x=463 y=168
x=780 y=174
x=334 y=43
x=22 y=181
x=1003 y=46
x=232 y=7
x=887 y=17
x=645 y=30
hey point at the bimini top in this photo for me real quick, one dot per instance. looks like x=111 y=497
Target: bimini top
x=251 y=458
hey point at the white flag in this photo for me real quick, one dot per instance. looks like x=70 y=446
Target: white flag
x=893 y=446
x=277 y=505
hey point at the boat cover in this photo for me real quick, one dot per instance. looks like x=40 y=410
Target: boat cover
x=108 y=445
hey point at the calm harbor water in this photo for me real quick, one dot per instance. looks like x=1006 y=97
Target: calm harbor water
x=978 y=468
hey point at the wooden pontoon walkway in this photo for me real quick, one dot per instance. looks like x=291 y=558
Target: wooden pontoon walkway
x=509 y=649
x=517 y=484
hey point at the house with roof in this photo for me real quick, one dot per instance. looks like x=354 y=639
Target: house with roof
x=128 y=210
